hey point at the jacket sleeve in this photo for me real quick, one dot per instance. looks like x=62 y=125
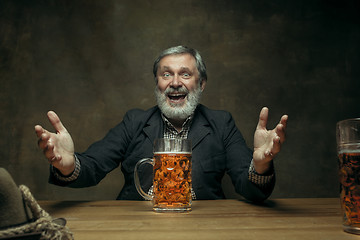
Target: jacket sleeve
x=238 y=159
x=101 y=157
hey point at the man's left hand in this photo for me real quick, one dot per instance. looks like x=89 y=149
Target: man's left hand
x=267 y=143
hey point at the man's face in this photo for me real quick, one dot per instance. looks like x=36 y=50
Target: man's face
x=178 y=88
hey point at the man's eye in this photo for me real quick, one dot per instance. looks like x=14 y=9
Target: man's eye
x=166 y=75
x=186 y=75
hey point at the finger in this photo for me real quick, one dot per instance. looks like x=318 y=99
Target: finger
x=263 y=118
x=49 y=151
x=269 y=155
x=284 y=120
x=274 y=149
x=55 y=122
x=43 y=140
x=39 y=130
x=280 y=132
x=276 y=145
x=281 y=128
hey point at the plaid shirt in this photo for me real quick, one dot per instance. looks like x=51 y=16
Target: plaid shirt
x=171 y=132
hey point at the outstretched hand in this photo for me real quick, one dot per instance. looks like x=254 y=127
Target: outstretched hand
x=58 y=147
x=267 y=143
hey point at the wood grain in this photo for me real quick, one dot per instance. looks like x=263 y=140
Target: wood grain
x=306 y=218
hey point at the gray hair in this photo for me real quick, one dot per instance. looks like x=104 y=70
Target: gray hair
x=200 y=64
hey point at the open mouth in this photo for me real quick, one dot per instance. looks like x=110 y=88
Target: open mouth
x=176 y=97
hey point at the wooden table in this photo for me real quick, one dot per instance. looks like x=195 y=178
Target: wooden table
x=217 y=219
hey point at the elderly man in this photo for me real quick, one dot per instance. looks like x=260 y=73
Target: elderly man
x=218 y=146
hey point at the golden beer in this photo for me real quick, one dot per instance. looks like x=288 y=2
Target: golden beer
x=172 y=181
x=348 y=146
x=171 y=190
x=349 y=174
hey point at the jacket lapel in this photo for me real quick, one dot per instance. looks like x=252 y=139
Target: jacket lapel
x=199 y=129
x=154 y=127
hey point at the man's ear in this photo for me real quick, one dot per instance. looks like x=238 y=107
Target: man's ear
x=203 y=84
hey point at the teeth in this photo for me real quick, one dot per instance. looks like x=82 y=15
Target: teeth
x=177 y=94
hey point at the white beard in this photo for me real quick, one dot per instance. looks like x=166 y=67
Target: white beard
x=177 y=111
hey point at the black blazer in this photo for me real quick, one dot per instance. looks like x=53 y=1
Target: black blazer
x=218 y=147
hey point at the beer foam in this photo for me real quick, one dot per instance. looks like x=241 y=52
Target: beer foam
x=349 y=151
x=174 y=152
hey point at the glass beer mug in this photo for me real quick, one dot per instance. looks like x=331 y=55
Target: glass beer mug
x=171 y=175
x=348 y=146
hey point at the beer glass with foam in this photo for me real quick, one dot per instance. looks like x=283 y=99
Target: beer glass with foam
x=171 y=190
x=348 y=147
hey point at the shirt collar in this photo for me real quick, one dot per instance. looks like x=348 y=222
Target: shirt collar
x=185 y=126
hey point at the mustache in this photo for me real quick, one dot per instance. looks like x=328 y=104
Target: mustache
x=176 y=90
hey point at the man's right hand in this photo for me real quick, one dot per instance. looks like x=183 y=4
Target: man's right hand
x=58 y=147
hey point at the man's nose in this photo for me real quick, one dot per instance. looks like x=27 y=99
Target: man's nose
x=176 y=81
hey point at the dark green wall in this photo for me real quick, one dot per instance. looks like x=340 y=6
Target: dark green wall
x=91 y=61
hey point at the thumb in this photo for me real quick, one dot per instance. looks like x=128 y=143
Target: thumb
x=55 y=122
x=263 y=118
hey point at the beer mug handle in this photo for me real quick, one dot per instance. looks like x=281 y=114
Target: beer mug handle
x=137 y=179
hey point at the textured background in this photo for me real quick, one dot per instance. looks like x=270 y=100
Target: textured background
x=91 y=61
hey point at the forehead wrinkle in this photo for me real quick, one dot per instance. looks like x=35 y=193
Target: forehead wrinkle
x=181 y=68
